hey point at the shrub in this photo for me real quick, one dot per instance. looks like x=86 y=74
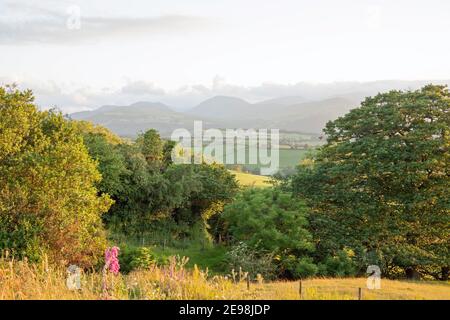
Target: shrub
x=341 y=264
x=243 y=258
x=298 y=268
x=136 y=258
x=270 y=220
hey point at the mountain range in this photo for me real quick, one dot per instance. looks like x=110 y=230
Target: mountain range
x=220 y=112
x=306 y=113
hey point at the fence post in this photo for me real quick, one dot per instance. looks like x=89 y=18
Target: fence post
x=300 y=289
x=248 y=282
x=360 y=294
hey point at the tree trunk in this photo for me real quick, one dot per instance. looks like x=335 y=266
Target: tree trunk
x=412 y=273
x=445 y=271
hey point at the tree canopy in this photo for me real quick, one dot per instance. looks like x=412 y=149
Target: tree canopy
x=380 y=184
x=48 y=200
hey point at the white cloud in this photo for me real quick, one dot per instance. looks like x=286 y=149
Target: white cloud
x=170 y=51
x=67 y=99
x=142 y=88
x=28 y=24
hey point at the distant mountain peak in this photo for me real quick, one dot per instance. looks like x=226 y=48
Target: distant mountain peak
x=220 y=107
x=147 y=104
x=287 y=100
x=224 y=99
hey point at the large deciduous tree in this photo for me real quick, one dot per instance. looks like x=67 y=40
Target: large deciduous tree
x=381 y=183
x=48 y=200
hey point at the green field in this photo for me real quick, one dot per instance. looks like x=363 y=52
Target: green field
x=288 y=158
x=251 y=180
x=293 y=147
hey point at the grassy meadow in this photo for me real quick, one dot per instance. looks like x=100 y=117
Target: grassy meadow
x=20 y=280
x=289 y=158
x=251 y=180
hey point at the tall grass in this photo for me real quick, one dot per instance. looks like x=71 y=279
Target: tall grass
x=23 y=280
x=20 y=280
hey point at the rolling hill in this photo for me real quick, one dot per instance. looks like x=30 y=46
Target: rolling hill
x=129 y=120
x=221 y=112
x=276 y=113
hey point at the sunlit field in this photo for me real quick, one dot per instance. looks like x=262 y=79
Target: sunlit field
x=251 y=180
x=21 y=280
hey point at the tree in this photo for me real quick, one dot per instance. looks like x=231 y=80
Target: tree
x=111 y=163
x=202 y=191
x=167 y=152
x=273 y=222
x=152 y=147
x=269 y=219
x=380 y=185
x=48 y=200
x=142 y=191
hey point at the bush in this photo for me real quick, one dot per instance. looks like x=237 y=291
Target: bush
x=243 y=258
x=340 y=265
x=298 y=268
x=136 y=258
x=270 y=220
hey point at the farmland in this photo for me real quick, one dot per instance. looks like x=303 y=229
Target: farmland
x=127 y=221
x=251 y=180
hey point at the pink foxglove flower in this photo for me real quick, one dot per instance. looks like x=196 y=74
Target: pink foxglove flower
x=112 y=260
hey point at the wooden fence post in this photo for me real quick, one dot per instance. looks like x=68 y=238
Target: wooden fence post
x=360 y=294
x=248 y=282
x=300 y=289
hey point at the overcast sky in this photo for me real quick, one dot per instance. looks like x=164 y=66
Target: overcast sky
x=182 y=51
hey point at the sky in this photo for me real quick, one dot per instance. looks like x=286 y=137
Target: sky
x=78 y=55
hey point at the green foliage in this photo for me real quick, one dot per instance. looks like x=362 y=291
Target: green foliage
x=242 y=258
x=213 y=258
x=298 y=268
x=204 y=188
x=133 y=258
x=167 y=152
x=111 y=163
x=152 y=147
x=48 y=200
x=149 y=191
x=88 y=128
x=380 y=184
x=270 y=220
x=340 y=265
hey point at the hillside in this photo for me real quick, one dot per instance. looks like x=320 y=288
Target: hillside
x=221 y=112
x=130 y=120
x=221 y=107
x=311 y=116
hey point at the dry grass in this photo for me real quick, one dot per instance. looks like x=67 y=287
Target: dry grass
x=21 y=280
x=347 y=289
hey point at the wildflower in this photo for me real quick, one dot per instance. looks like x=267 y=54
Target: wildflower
x=112 y=260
